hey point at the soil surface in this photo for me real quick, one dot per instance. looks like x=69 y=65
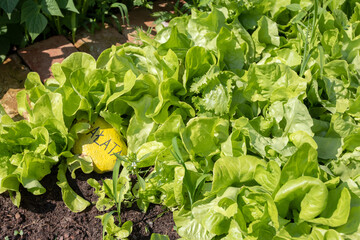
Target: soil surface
x=46 y=216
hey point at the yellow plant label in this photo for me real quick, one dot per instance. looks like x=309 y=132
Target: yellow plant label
x=101 y=143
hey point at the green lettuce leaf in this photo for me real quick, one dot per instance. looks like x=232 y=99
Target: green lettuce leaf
x=73 y=201
x=234 y=171
x=273 y=82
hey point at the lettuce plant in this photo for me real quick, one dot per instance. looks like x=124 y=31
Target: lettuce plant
x=247 y=117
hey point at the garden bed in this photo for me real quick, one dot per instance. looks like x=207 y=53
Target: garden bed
x=242 y=119
x=47 y=217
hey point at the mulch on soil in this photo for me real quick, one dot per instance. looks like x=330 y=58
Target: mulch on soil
x=46 y=216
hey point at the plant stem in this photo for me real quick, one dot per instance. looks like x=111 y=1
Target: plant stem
x=84 y=8
x=73 y=26
x=57 y=23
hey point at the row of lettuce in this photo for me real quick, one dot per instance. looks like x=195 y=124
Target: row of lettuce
x=248 y=117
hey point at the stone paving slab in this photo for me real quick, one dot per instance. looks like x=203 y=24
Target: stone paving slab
x=12 y=77
x=41 y=55
x=9 y=103
x=165 y=5
x=96 y=43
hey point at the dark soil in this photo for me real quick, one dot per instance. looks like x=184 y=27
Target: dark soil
x=47 y=217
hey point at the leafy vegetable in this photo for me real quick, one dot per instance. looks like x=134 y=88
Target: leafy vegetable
x=244 y=121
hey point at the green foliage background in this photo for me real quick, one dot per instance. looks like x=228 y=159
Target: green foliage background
x=22 y=21
x=248 y=116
